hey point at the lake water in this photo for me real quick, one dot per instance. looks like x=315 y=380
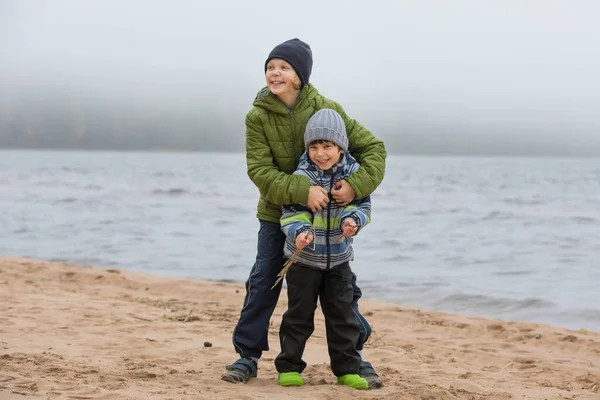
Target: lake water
x=512 y=238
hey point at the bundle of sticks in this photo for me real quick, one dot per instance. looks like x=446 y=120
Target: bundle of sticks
x=288 y=264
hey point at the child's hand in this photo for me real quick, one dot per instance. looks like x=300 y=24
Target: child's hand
x=343 y=193
x=303 y=240
x=349 y=227
x=317 y=198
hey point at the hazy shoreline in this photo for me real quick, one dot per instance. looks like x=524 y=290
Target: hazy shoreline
x=392 y=154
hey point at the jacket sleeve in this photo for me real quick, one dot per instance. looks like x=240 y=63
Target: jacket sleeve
x=274 y=185
x=295 y=220
x=359 y=211
x=370 y=153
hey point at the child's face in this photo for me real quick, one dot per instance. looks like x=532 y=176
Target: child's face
x=325 y=155
x=281 y=77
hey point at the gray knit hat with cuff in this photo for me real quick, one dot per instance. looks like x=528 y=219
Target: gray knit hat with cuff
x=327 y=125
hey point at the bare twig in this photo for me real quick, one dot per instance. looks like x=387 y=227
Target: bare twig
x=374 y=338
x=288 y=264
x=188 y=316
x=507 y=365
x=142 y=319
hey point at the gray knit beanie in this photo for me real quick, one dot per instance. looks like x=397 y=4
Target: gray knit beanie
x=328 y=125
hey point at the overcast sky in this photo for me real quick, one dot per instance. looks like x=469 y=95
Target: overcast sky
x=487 y=66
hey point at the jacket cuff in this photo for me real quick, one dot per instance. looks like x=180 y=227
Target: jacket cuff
x=354 y=217
x=303 y=229
x=301 y=192
x=351 y=181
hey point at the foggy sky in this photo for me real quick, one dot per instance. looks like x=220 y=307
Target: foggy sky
x=438 y=75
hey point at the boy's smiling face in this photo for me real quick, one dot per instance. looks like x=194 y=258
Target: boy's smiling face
x=324 y=154
x=281 y=77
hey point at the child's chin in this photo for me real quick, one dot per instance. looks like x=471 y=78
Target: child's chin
x=277 y=89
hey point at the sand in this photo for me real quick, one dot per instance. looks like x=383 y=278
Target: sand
x=79 y=332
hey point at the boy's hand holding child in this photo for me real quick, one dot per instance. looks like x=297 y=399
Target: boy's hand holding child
x=317 y=198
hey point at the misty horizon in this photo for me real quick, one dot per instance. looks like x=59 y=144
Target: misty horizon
x=517 y=78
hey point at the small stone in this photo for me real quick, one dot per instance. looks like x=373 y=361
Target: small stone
x=207 y=344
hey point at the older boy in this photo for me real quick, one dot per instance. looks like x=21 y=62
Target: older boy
x=274 y=143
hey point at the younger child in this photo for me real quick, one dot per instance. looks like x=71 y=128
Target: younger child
x=322 y=268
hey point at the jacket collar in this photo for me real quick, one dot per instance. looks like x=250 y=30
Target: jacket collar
x=267 y=100
x=306 y=164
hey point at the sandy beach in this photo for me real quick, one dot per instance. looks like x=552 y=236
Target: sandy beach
x=81 y=332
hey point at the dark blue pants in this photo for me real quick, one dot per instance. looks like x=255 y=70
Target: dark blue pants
x=250 y=335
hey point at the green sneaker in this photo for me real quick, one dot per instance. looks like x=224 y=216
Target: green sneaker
x=354 y=381
x=290 y=379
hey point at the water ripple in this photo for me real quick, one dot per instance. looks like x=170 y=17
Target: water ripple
x=507 y=238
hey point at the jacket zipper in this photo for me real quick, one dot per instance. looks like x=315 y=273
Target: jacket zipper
x=291 y=114
x=329 y=222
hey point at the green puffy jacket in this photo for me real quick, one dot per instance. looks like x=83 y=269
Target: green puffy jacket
x=274 y=144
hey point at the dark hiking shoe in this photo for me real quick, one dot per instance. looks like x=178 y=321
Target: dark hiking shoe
x=367 y=371
x=240 y=371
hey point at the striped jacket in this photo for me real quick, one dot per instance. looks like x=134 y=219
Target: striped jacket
x=329 y=247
